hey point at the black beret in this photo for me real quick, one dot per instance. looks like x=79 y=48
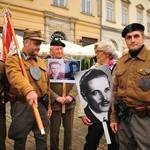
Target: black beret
x=57 y=43
x=132 y=27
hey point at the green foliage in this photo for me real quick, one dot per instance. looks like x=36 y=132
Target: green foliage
x=85 y=63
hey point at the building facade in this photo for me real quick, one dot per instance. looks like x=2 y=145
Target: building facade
x=116 y=14
x=82 y=22
x=67 y=20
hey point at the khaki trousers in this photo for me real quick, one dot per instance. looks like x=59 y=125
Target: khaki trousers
x=134 y=135
x=55 y=123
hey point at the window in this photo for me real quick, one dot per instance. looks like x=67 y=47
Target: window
x=124 y=15
x=125 y=11
x=110 y=11
x=148 y=23
x=61 y=3
x=87 y=6
x=57 y=36
x=139 y=17
x=140 y=9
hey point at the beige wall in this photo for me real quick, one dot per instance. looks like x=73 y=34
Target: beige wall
x=87 y=30
x=132 y=13
x=70 y=20
x=25 y=18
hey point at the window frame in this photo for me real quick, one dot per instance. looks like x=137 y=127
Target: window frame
x=110 y=11
x=125 y=15
x=87 y=7
x=60 y=3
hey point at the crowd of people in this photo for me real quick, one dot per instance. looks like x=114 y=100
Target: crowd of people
x=128 y=104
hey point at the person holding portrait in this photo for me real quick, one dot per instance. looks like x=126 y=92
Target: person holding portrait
x=98 y=97
x=57 y=99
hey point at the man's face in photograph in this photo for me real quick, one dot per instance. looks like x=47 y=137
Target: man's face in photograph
x=99 y=96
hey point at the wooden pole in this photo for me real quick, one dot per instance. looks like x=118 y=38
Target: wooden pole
x=64 y=95
x=35 y=109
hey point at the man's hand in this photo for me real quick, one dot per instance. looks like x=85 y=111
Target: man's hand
x=114 y=127
x=86 y=120
x=31 y=98
x=49 y=113
x=61 y=100
x=68 y=99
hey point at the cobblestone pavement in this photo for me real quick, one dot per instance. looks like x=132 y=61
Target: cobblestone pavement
x=79 y=133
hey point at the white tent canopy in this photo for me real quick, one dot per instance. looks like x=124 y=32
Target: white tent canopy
x=90 y=48
x=74 y=49
x=70 y=48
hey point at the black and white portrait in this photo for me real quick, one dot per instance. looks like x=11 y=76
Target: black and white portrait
x=95 y=92
x=72 y=66
x=63 y=71
x=56 y=69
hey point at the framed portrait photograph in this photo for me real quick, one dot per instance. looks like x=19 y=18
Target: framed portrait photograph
x=56 y=70
x=63 y=71
x=71 y=68
x=95 y=92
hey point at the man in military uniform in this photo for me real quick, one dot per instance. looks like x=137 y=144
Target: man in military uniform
x=57 y=99
x=130 y=117
x=26 y=92
x=2 y=106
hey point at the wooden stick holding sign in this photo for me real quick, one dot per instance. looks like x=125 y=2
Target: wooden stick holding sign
x=106 y=132
x=35 y=109
x=64 y=95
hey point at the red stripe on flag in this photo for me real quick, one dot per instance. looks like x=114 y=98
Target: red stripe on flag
x=7 y=37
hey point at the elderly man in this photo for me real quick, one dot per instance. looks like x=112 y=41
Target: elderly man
x=56 y=52
x=26 y=92
x=130 y=117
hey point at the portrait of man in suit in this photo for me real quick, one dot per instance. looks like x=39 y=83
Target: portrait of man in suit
x=95 y=91
x=56 y=70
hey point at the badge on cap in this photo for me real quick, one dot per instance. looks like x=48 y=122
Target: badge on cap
x=35 y=72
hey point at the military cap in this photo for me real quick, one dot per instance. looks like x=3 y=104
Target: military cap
x=57 y=43
x=132 y=27
x=33 y=35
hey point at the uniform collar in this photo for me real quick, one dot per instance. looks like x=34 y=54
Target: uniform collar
x=26 y=57
x=141 y=55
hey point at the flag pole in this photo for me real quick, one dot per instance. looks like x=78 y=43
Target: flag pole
x=35 y=109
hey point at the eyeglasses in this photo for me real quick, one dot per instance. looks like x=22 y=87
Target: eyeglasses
x=98 y=51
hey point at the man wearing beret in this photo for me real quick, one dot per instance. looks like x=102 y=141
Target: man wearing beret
x=130 y=118
x=26 y=92
x=57 y=99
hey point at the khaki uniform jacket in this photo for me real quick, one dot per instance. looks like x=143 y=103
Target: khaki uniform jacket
x=19 y=84
x=132 y=80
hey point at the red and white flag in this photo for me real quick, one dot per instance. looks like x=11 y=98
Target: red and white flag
x=7 y=35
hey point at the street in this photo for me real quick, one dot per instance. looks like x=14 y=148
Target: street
x=79 y=133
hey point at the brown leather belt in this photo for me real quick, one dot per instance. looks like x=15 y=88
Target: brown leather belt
x=141 y=111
